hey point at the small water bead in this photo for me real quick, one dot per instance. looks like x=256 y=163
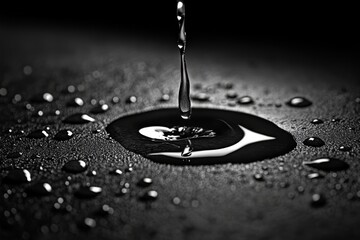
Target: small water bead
x=231 y=94
x=165 y=98
x=115 y=100
x=314 y=142
x=42 y=98
x=131 y=99
x=101 y=108
x=176 y=200
x=145 y=182
x=116 y=172
x=298 y=102
x=75 y=102
x=327 y=164
x=88 y=192
x=318 y=200
x=3 y=92
x=317 y=121
x=27 y=70
x=245 y=100
x=17 y=98
x=78 y=118
x=129 y=169
x=315 y=176
x=39 y=189
x=258 y=177
x=87 y=224
x=69 y=89
x=148 y=196
x=92 y=173
x=75 y=166
x=344 y=148
x=335 y=120
x=14 y=155
x=63 y=135
x=200 y=97
x=17 y=176
x=357 y=100
x=38 y=134
x=122 y=192
x=105 y=210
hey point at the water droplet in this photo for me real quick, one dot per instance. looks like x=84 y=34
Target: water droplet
x=317 y=121
x=225 y=85
x=78 y=118
x=39 y=189
x=92 y=173
x=259 y=177
x=318 y=200
x=105 y=210
x=38 y=134
x=344 y=148
x=42 y=98
x=14 y=155
x=131 y=99
x=245 y=100
x=101 y=108
x=63 y=135
x=88 y=192
x=87 y=224
x=151 y=195
x=3 y=92
x=116 y=172
x=145 y=182
x=122 y=192
x=298 y=102
x=200 y=97
x=17 y=98
x=129 y=169
x=357 y=100
x=176 y=201
x=17 y=176
x=231 y=94
x=27 y=70
x=327 y=164
x=75 y=166
x=315 y=176
x=164 y=98
x=69 y=89
x=335 y=120
x=75 y=102
x=314 y=142
x=115 y=100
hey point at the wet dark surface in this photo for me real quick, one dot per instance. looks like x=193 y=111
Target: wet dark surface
x=278 y=198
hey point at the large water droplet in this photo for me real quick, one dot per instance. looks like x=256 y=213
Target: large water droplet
x=75 y=166
x=317 y=121
x=327 y=164
x=63 y=135
x=298 y=102
x=78 y=118
x=314 y=142
x=38 y=134
x=17 y=176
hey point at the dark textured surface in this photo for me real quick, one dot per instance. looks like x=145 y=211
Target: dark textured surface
x=217 y=202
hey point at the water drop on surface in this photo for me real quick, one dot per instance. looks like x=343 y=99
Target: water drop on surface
x=259 y=177
x=75 y=102
x=78 y=118
x=231 y=94
x=14 y=155
x=299 y=102
x=38 y=134
x=145 y=182
x=318 y=200
x=101 y=108
x=3 y=92
x=105 y=210
x=39 y=189
x=314 y=142
x=245 y=100
x=327 y=164
x=165 y=98
x=131 y=99
x=148 y=196
x=42 y=98
x=63 y=135
x=18 y=176
x=344 y=148
x=87 y=224
x=75 y=166
x=122 y=192
x=317 y=121
x=92 y=173
x=116 y=172
x=88 y=192
x=315 y=176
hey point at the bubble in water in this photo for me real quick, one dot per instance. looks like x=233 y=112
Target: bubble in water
x=75 y=102
x=314 y=142
x=39 y=189
x=75 y=166
x=100 y=108
x=145 y=182
x=88 y=192
x=151 y=195
x=318 y=200
x=78 y=118
x=298 y=102
x=344 y=148
x=38 y=134
x=63 y=135
x=17 y=176
x=317 y=121
x=245 y=100
x=327 y=164
x=42 y=98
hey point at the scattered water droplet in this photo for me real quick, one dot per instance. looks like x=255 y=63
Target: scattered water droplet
x=245 y=100
x=14 y=155
x=75 y=166
x=131 y=99
x=145 y=182
x=69 y=89
x=116 y=172
x=115 y=100
x=39 y=189
x=259 y=177
x=3 y=92
x=298 y=102
x=17 y=176
x=335 y=120
x=314 y=142
x=27 y=70
x=75 y=102
x=344 y=148
x=87 y=224
x=101 y=108
x=122 y=192
x=315 y=176
x=129 y=169
x=38 y=134
x=164 y=98
x=318 y=200
x=42 y=98
x=176 y=200
x=78 y=118
x=231 y=94
x=92 y=173
x=105 y=210
x=63 y=135
x=327 y=164
x=225 y=85
x=88 y=192
x=151 y=195
x=317 y=121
